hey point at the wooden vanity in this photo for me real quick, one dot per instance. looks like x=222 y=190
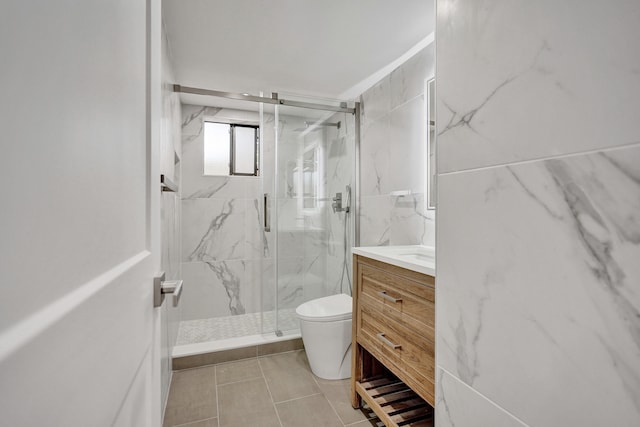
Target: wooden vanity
x=393 y=366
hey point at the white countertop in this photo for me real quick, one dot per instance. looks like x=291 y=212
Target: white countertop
x=413 y=257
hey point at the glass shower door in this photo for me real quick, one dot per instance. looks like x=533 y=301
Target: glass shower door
x=314 y=161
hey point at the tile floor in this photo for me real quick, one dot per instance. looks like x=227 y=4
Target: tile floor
x=269 y=391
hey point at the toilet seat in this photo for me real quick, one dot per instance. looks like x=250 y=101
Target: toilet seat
x=327 y=309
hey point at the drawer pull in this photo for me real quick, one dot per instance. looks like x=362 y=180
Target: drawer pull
x=384 y=295
x=387 y=342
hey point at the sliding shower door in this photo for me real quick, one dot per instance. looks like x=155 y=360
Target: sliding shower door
x=311 y=234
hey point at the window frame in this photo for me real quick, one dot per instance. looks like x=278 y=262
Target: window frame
x=232 y=147
x=256 y=149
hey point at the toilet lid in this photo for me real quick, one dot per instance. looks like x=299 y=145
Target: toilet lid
x=327 y=309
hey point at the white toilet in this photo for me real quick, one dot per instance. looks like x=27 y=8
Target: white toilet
x=326 y=332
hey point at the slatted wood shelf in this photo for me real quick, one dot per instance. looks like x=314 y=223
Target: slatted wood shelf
x=394 y=402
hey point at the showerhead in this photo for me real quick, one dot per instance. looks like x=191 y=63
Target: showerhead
x=313 y=126
x=323 y=124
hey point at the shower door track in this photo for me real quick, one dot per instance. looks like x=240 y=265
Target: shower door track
x=273 y=100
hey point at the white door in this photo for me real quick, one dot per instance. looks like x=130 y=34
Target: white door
x=79 y=212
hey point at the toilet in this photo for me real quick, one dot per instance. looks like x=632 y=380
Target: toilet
x=325 y=324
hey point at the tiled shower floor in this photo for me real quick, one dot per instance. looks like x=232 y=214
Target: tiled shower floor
x=222 y=328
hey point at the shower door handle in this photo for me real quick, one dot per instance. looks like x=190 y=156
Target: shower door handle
x=267 y=216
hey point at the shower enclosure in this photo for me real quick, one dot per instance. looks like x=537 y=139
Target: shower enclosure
x=256 y=247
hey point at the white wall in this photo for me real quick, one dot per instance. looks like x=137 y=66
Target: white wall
x=392 y=157
x=76 y=252
x=538 y=304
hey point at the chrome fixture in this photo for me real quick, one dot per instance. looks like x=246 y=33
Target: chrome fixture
x=273 y=100
x=162 y=288
x=323 y=124
x=167 y=185
x=337 y=204
x=266 y=214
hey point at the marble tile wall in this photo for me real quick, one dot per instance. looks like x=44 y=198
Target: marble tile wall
x=340 y=153
x=392 y=157
x=223 y=242
x=538 y=302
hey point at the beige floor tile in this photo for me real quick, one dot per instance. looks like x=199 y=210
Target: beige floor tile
x=211 y=422
x=192 y=396
x=237 y=371
x=338 y=394
x=311 y=411
x=288 y=375
x=246 y=404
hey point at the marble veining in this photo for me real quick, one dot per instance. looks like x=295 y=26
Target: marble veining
x=231 y=284
x=539 y=213
x=392 y=157
x=487 y=71
x=210 y=191
x=562 y=306
x=209 y=244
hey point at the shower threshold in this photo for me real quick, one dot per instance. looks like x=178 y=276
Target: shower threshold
x=233 y=343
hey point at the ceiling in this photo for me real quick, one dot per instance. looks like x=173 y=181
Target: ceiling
x=327 y=48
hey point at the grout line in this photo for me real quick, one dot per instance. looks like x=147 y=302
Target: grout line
x=270 y=394
x=297 y=398
x=240 y=381
x=476 y=392
x=325 y=397
x=276 y=354
x=544 y=158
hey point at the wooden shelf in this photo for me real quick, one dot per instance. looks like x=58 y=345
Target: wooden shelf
x=394 y=402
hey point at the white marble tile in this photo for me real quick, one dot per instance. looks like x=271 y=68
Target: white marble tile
x=458 y=405
x=192 y=119
x=375 y=217
x=252 y=187
x=409 y=224
x=290 y=281
x=212 y=289
x=213 y=229
x=375 y=148
x=376 y=102
x=262 y=275
x=406 y=147
x=523 y=80
x=257 y=241
x=408 y=80
x=538 y=301
x=199 y=186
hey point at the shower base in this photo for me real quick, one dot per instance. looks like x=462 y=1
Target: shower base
x=223 y=328
x=232 y=332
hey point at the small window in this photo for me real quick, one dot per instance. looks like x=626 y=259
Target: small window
x=230 y=149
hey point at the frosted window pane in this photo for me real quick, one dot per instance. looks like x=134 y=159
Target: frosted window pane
x=245 y=151
x=216 y=148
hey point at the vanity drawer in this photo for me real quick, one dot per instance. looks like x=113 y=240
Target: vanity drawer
x=408 y=354
x=402 y=298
